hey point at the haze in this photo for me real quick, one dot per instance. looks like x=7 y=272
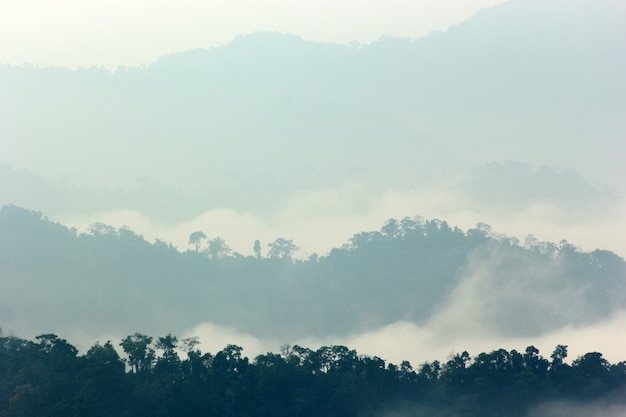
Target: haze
x=121 y=33
x=314 y=121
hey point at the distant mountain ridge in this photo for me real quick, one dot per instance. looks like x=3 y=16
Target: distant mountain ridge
x=518 y=78
x=113 y=281
x=515 y=114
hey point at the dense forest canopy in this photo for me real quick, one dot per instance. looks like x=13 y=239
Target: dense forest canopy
x=154 y=377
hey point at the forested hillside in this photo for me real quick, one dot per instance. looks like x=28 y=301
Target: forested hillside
x=113 y=281
x=252 y=192
x=47 y=377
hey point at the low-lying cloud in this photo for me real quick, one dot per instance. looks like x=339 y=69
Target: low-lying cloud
x=321 y=219
x=481 y=314
x=418 y=344
x=601 y=408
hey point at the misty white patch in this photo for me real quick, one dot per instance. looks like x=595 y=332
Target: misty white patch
x=438 y=339
x=318 y=231
x=213 y=338
x=579 y=409
x=511 y=291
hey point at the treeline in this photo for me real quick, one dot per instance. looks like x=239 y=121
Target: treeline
x=113 y=281
x=47 y=377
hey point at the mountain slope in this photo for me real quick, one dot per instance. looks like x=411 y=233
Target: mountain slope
x=113 y=282
x=539 y=82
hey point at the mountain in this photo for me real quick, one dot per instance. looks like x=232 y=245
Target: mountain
x=536 y=82
x=513 y=117
x=113 y=281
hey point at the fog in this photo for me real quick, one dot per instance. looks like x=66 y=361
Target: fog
x=500 y=302
x=116 y=33
x=321 y=219
x=483 y=313
x=579 y=409
x=246 y=130
x=396 y=342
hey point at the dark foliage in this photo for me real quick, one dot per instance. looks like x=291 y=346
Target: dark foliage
x=48 y=378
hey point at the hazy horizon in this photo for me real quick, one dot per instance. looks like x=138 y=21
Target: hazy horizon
x=114 y=34
x=259 y=120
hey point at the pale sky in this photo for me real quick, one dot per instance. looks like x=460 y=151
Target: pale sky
x=114 y=33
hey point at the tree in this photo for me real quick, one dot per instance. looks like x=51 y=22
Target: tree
x=169 y=361
x=52 y=344
x=455 y=372
x=535 y=362
x=430 y=371
x=558 y=356
x=559 y=371
x=168 y=344
x=391 y=229
x=101 y=229
x=197 y=239
x=592 y=367
x=282 y=249
x=190 y=343
x=102 y=381
x=230 y=360
x=257 y=249
x=140 y=354
x=218 y=249
x=105 y=357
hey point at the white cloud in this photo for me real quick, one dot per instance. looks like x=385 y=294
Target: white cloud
x=418 y=344
x=399 y=341
x=214 y=338
x=321 y=219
